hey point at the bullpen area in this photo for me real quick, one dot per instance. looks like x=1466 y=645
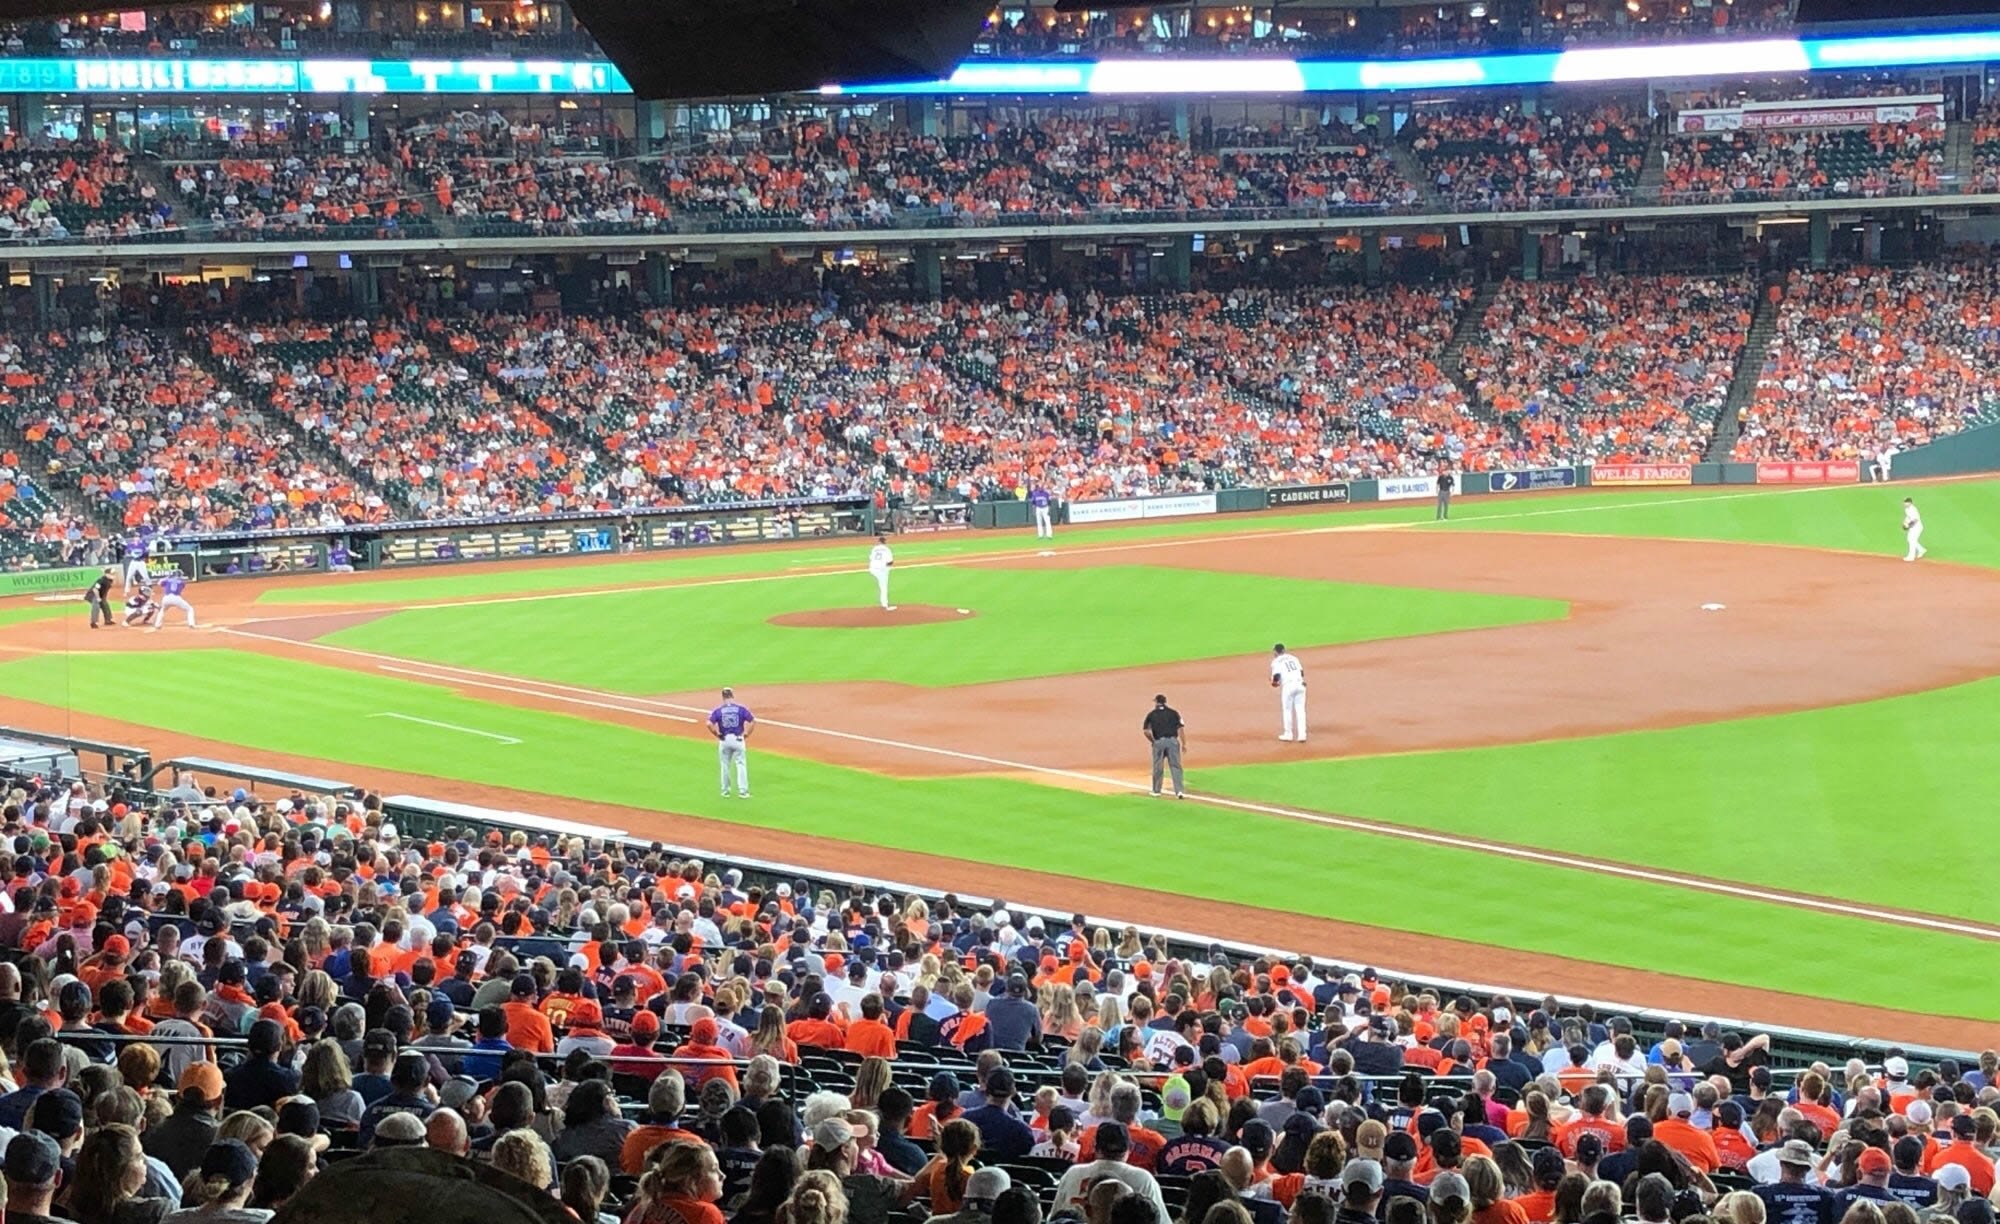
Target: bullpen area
x=1650 y=746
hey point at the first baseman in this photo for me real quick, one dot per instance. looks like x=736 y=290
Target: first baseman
x=879 y=561
x=1288 y=676
x=1913 y=530
x=731 y=725
x=1043 y=503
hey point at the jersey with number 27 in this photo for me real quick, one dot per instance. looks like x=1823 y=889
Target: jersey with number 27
x=1288 y=672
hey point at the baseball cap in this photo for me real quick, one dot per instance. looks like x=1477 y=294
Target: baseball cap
x=1797 y=1152
x=585 y=1013
x=1948 y=1177
x=1549 y=1165
x=987 y=1184
x=1963 y=1127
x=1680 y=1103
x=1362 y=1173
x=1000 y=1082
x=1369 y=1139
x=439 y=1014
x=1874 y=1160
x=646 y=1024
x=1401 y=1146
x=832 y=1133
x=57 y=1113
x=33 y=1159
x=230 y=1159
x=1450 y=1185
x=203 y=1079
x=1589 y=1147
x=1896 y=1067
x=524 y=985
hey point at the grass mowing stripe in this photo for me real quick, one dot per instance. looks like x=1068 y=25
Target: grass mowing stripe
x=23 y=613
x=1110 y=616
x=1795 y=800
x=1180 y=848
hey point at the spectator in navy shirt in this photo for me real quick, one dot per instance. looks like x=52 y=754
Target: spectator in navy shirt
x=1014 y=1022
x=1002 y=1135
x=259 y=1081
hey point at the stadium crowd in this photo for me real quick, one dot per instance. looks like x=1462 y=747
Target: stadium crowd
x=1786 y=164
x=1868 y=359
x=1503 y=159
x=430 y=413
x=206 y=998
x=1616 y=368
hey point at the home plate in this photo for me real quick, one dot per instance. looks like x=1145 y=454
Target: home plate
x=1712 y=607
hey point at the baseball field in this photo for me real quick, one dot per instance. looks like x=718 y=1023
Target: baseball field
x=1719 y=751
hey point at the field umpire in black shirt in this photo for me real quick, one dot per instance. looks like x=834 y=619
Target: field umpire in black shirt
x=1168 y=735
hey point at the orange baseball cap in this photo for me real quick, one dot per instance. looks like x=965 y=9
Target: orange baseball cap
x=203 y=1079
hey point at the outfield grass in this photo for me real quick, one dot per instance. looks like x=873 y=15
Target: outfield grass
x=1810 y=802
x=671 y=639
x=1188 y=849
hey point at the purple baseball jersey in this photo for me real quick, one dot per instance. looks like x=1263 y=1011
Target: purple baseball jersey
x=173 y=584
x=730 y=718
x=1039 y=499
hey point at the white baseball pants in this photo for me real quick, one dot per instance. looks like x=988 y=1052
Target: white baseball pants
x=882 y=585
x=135 y=571
x=1915 y=535
x=1292 y=705
x=175 y=601
x=730 y=749
x=1044 y=525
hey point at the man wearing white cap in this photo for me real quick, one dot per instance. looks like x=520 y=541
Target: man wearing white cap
x=1360 y=1192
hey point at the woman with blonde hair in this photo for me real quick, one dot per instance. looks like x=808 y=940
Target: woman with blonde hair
x=870 y=1079
x=1738 y=1207
x=523 y=1154
x=1060 y=1017
x=1108 y=1014
x=770 y=1036
x=249 y=1129
x=1087 y=1050
x=1490 y=1204
x=317 y=989
x=817 y=1198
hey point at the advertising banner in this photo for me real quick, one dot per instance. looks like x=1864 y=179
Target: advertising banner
x=1835 y=472
x=40 y=582
x=1818 y=112
x=1535 y=478
x=1642 y=474
x=1127 y=508
x=1308 y=495
x=1406 y=488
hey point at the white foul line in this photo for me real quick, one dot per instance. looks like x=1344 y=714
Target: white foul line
x=1093 y=550
x=429 y=722
x=442 y=673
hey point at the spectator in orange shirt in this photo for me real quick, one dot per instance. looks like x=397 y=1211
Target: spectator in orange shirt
x=1539 y=1204
x=816 y=1027
x=1677 y=1132
x=1964 y=1151
x=869 y=1036
x=704 y=1042
x=527 y=1027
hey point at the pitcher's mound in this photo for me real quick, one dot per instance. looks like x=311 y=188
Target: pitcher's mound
x=871 y=618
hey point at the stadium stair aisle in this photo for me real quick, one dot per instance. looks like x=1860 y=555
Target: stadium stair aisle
x=307 y=440
x=1452 y=360
x=1749 y=368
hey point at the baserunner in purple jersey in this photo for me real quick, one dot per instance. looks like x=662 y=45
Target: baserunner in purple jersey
x=731 y=725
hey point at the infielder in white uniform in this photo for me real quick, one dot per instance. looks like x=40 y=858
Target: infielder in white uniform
x=1883 y=462
x=731 y=725
x=879 y=561
x=1913 y=530
x=1288 y=676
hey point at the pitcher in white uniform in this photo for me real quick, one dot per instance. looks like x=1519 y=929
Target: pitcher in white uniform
x=1913 y=530
x=1288 y=676
x=879 y=561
